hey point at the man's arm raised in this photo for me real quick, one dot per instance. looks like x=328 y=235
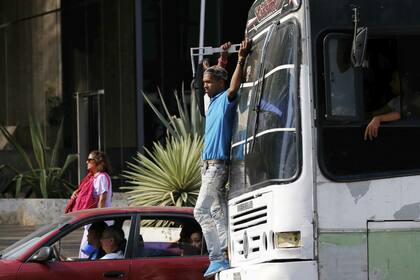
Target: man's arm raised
x=235 y=82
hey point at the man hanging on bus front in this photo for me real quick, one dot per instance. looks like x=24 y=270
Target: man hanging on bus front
x=210 y=209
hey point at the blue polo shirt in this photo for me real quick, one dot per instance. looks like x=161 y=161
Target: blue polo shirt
x=219 y=123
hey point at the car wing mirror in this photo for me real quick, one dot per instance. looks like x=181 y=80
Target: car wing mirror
x=44 y=254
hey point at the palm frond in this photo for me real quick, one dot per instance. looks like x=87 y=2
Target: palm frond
x=17 y=146
x=169 y=174
x=166 y=181
x=54 y=155
x=37 y=141
x=160 y=116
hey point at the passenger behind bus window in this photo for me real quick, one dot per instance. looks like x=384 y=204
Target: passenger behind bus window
x=95 y=232
x=390 y=112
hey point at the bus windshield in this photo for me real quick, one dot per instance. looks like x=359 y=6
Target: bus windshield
x=264 y=144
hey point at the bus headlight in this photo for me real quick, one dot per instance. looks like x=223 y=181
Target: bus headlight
x=289 y=239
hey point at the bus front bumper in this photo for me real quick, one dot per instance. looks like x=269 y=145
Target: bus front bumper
x=299 y=270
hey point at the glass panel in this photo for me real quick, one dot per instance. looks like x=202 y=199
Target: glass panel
x=46 y=58
x=20 y=247
x=85 y=242
x=68 y=247
x=169 y=238
x=345 y=155
x=273 y=152
x=32 y=71
x=246 y=94
x=340 y=79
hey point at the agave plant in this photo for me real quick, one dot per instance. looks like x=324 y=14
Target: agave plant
x=170 y=173
x=190 y=122
x=43 y=177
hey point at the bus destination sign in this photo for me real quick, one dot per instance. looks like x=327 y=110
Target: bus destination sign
x=269 y=7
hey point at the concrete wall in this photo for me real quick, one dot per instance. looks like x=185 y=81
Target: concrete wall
x=34 y=212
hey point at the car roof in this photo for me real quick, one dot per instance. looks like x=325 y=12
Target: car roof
x=125 y=210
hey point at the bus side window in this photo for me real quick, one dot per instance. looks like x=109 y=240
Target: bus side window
x=342 y=97
x=410 y=77
x=411 y=96
x=353 y=96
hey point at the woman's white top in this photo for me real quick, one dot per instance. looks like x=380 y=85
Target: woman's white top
x=101 y=184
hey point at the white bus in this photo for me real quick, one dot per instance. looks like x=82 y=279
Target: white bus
x=309 y=197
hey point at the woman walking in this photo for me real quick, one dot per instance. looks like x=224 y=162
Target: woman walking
x=95 y=191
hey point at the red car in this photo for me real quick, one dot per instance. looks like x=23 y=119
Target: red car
x=152 y=248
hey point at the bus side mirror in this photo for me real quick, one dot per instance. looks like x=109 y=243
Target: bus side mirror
x=358 y=49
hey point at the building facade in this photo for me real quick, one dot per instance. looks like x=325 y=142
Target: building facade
x=86 y=62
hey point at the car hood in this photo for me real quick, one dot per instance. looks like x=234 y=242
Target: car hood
x=8 y=269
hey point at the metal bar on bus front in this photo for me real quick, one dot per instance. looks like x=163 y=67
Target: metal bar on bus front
x=202 y=51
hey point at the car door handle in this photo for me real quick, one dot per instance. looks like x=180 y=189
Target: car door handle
x=114 y=274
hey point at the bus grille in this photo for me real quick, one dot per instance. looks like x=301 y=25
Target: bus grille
x=250 y=218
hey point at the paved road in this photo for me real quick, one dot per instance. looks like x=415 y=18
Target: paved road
x=11 y=233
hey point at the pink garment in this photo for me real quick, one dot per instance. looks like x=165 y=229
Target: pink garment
x=85 y=198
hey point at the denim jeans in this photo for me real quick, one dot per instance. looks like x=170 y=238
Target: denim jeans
x=211 y=209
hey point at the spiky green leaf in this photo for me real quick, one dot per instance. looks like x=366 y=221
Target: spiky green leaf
x=18 y=185
x=171 y=178
x=59 y=136
x=21 y=151
x=38 y=144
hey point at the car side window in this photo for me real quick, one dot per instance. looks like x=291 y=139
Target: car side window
x=67 y=248
x=87 y=242
x=169 y=237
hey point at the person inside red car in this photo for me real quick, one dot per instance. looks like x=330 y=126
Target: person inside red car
x=191 y=239
x=196 y=239
x=95 y=232
x=112 y=242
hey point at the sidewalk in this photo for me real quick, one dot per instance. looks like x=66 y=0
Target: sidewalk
x=12 y=233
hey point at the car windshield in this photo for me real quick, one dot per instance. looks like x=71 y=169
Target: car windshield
x=16 y=249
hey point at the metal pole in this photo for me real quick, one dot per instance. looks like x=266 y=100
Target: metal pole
x=98 y=122
x=139 y=75
x=202 y=23
x=79 y=144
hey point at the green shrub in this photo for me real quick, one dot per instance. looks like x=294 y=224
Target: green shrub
x=43 y=178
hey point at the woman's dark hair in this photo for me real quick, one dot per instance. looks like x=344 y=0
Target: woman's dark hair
x=101 y=161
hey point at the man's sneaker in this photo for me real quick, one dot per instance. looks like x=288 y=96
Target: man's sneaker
x=215 y=267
